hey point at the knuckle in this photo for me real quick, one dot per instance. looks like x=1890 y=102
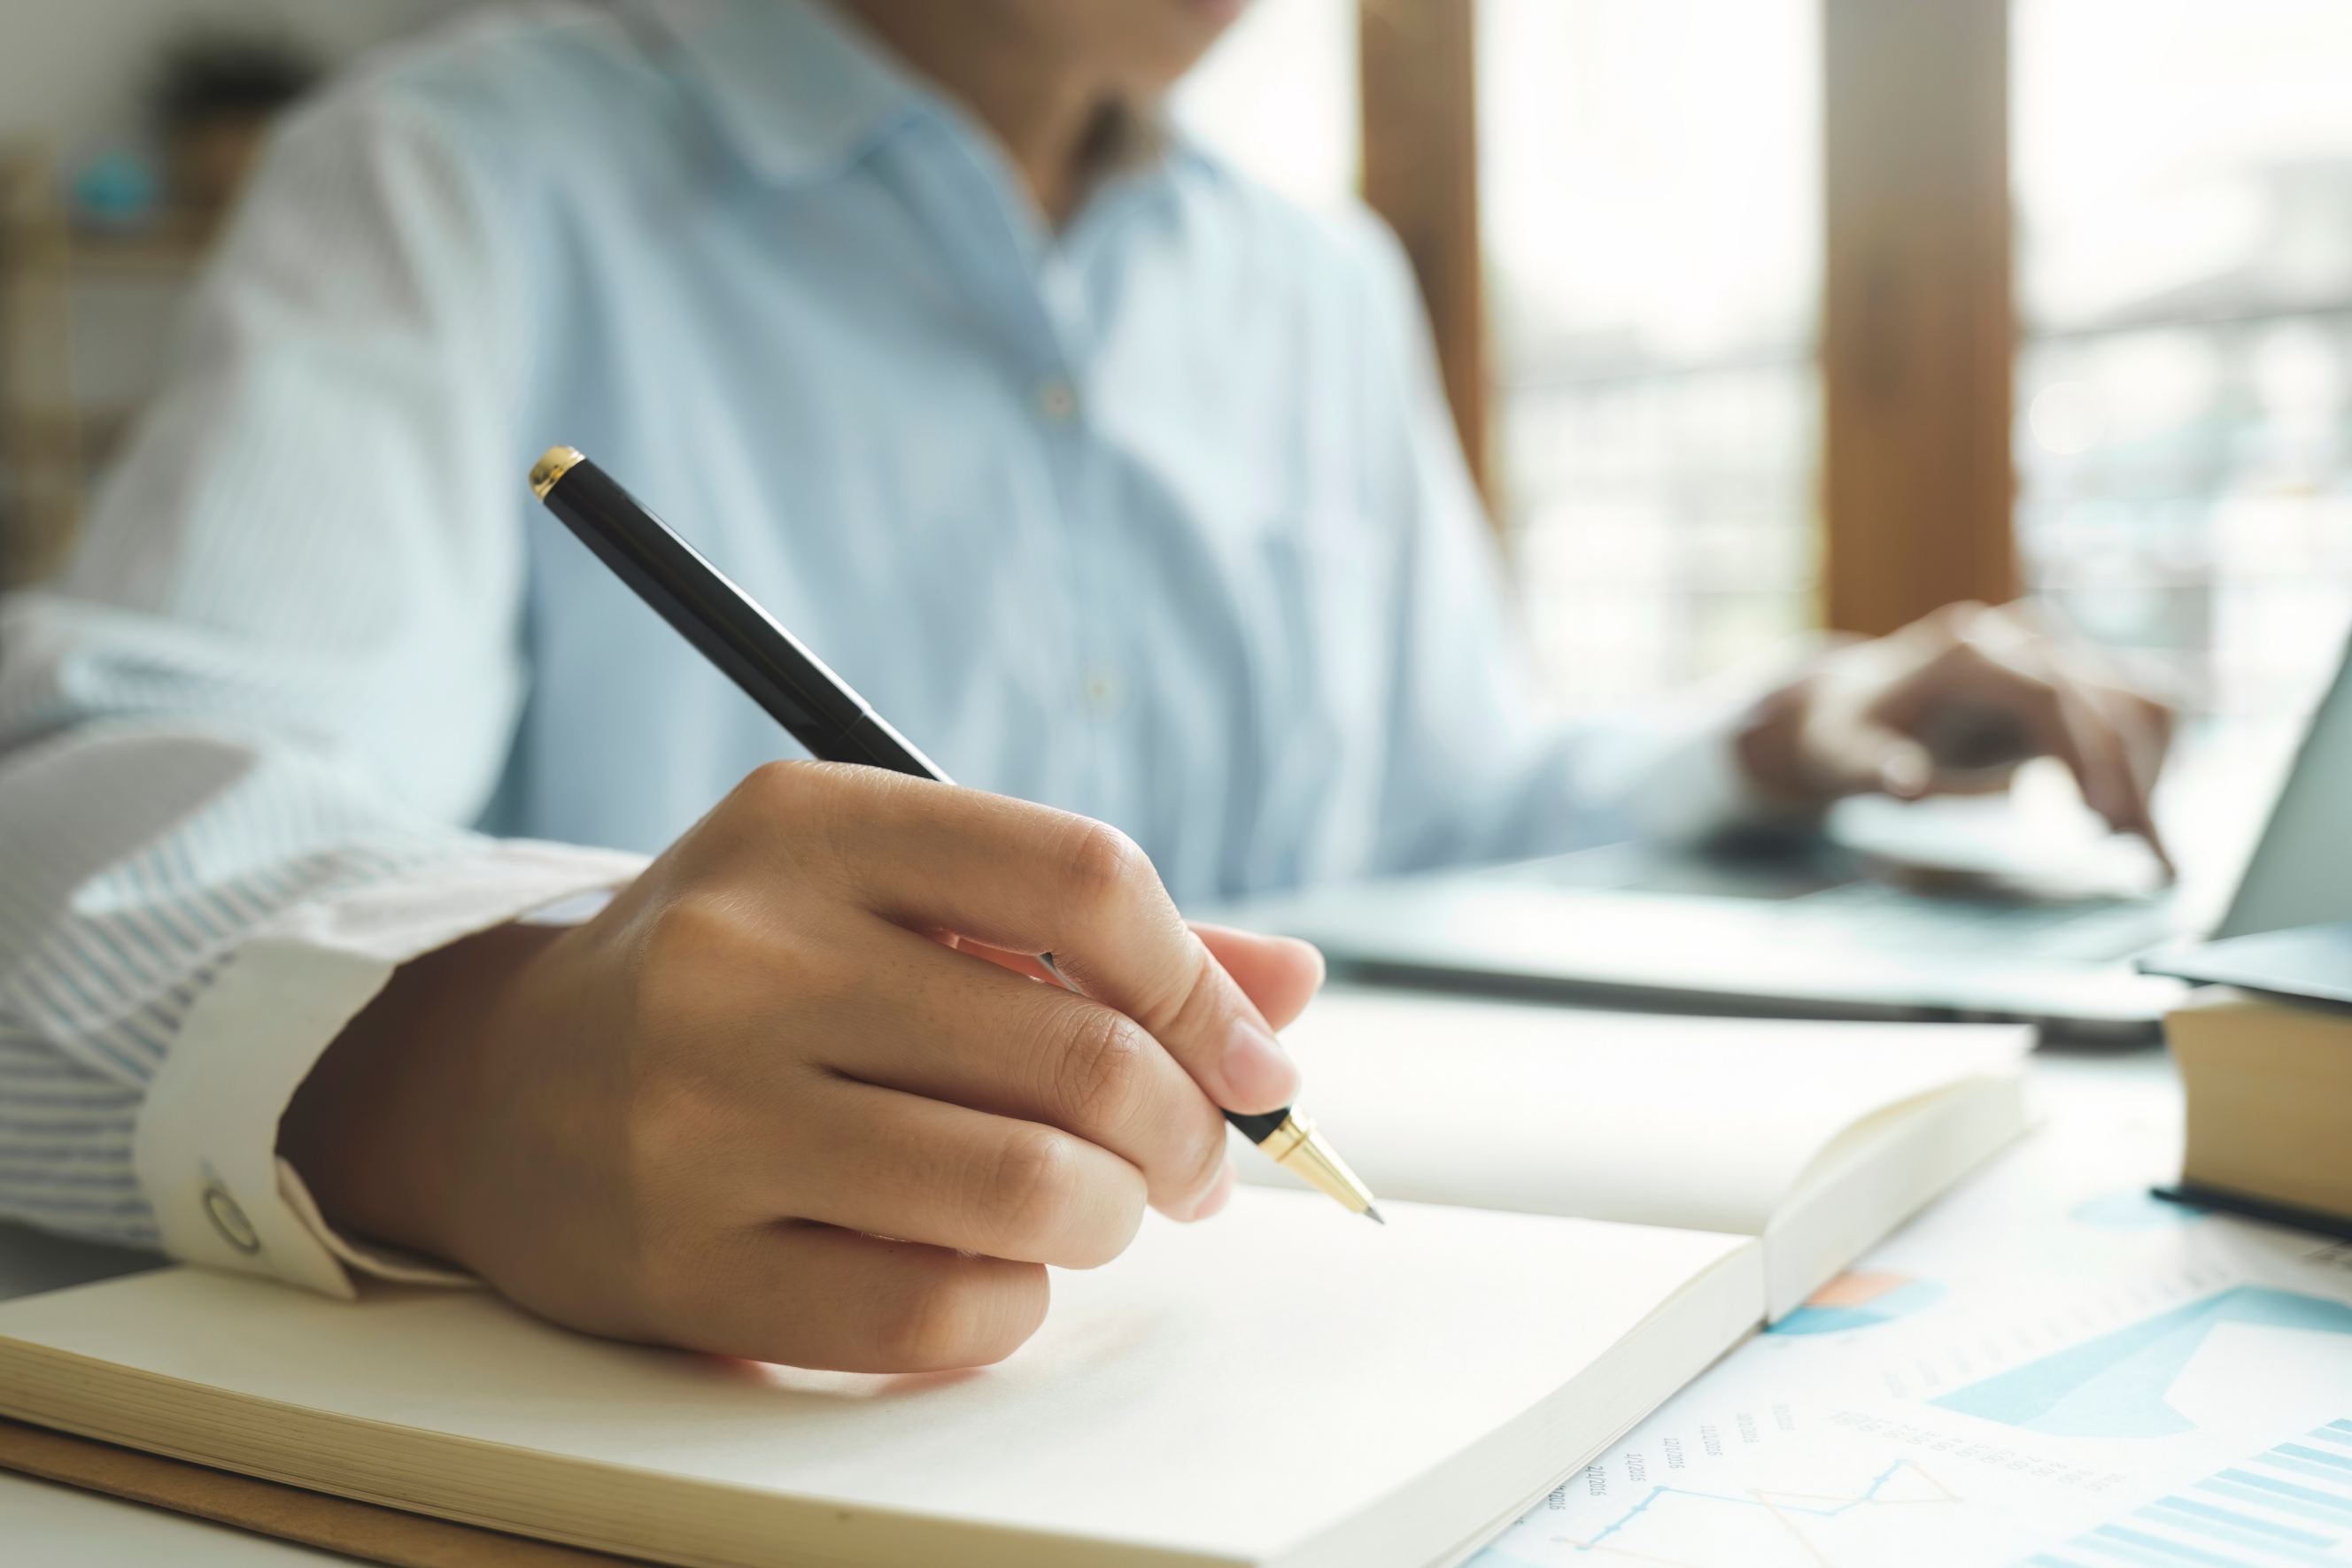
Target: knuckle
x=820 y=801
x=771 y=786
x=693 y=925
x=1188 y=998
x=1033 y=1187
x=685 y=944
x=1205 y=1154
x=924 y=1327
x=1101 y=1247
x=1954 y=621
x=964 y=1317
x=1104 y=865
x=1020 y=1315
x=1102 y=1068
x=716 y=941
x=1965 y=648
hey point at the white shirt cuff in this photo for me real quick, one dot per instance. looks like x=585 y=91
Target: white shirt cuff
x=1693 y=785
x=206 y=1144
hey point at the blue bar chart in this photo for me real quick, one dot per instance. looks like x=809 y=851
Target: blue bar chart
x=2291 y=1503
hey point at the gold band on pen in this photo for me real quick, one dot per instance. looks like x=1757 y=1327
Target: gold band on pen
x=554 y=464
x=1298 y=1146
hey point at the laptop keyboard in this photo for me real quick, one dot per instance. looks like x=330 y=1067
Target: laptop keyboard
x=1887 y=918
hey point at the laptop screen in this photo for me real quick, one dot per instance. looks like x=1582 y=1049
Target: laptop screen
x=2302 y=870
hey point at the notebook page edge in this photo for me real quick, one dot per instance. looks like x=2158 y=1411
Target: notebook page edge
x=1841 y=1212
x=1754 y=1162
x=1719 y=1307
x=1488 y=1535
x=1662 y=1265
x=297 y=1459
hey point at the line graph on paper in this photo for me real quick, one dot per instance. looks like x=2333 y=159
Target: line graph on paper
x=2192 y=1418
x=1799 y=1526
x=1775 y=1487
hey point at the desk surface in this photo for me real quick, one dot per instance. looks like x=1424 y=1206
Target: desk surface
x=61 y=1527
x=1894 y=1380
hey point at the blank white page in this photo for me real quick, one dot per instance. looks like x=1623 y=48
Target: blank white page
x=1260 y=1385
x=1704 y=1122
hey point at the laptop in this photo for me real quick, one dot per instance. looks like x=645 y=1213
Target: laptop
x=1818 y=928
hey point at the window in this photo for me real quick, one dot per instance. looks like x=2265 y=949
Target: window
x=1650 y=188
x=2183 y=174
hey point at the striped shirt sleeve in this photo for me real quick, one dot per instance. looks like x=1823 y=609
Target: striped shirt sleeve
x=240 y=741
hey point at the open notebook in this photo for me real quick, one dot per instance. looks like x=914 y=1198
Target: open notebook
x=1818 y=1138
x=1284 y=1386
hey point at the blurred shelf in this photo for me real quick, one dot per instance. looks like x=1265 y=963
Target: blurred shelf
x=172 y=248
x=54 y=434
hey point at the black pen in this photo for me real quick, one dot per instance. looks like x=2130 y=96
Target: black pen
x=817 y=706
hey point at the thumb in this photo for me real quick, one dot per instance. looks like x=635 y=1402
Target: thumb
x=1895 y=764
x=1279 y=974
x=1862 y=757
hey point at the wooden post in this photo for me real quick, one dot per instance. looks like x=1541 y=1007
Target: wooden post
x=1419 y=65
x=1917 y=327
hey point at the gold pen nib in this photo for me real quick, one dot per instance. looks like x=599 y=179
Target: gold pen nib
x=1298 y=1145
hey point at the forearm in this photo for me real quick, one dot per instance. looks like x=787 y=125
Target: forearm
x=191 y=918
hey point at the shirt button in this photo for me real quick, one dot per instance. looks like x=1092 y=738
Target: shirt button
x=1056 y=398
x=1105 y=690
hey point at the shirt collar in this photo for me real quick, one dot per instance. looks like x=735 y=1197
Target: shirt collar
x=800 y=91
x=803 y=92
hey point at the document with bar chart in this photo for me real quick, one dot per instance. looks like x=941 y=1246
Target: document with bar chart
x=2052 y=1370
x=2290 y=1503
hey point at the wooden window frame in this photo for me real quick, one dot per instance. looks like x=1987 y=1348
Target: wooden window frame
x=1418 y=66
x=1917 y=340
x=1918 y=331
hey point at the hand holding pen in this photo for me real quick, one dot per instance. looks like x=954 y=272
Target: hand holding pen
x=756 y=1106
x=821 y=711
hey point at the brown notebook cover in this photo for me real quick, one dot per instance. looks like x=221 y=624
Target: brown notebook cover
x=335 y=1524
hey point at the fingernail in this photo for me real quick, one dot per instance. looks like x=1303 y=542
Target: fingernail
x=1902 y=777
x=1259 y=1075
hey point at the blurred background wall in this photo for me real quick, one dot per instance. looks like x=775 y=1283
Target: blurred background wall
x=70 y=70
x=1757 y=315
x=123 y=127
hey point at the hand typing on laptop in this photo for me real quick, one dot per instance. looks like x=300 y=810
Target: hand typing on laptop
x=1952 y=705
x=695 y=1119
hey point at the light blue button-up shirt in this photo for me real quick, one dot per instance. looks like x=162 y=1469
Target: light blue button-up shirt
x=1154 y=519
x=1157 y=518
